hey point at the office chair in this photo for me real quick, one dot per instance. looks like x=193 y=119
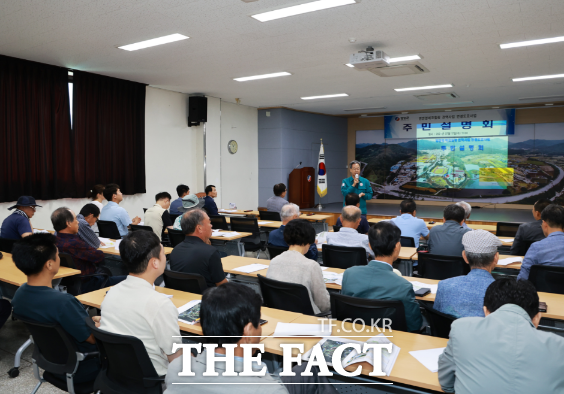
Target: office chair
x=55 y=352
x=137 y=227
x=174 y=216
x=439 y=322
x=126 y=366
x=252 y=243
x=524 y=247
x=547 y=279
x=271 y=216
x=505 y=229
x=74 y=283
x=342 y=256
x=407 y=242
x=434 y=266
x=347 y=307
x=108 y=229
x=274 y=251
x=175 y=236
x=219 y=222
x=336 y=228
x=190 y=283
x=6 y=245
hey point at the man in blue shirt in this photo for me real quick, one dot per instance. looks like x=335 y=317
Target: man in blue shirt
x=549 y=251
x=409 y=224
x=209 y=203
x=181 y=190
x=463 y=296
x=446 y=240
x=114 y=213
x=356 y=184
x=354 y=200
x=377 y=280
x=347 y=235
x=18 y=224
x=288 y=213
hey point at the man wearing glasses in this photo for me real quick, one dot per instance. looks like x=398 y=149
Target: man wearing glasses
x=18 y=224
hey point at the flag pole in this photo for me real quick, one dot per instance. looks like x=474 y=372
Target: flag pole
x=319 y=206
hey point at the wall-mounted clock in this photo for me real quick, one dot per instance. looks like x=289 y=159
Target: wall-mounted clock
x=232 y=147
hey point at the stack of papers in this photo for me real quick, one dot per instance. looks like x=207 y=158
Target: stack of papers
x=190 y=313
x=321 y=238
x=507 y=240
x=38 y=231
x=225 y=234
x=264 y=222
x=429 y=358
x=510 y=260
x=420 y=285
x=227 y=210
x=298 y=330
x=108 y=243
x=332 y=277
x=251 y=268
x=117 y=244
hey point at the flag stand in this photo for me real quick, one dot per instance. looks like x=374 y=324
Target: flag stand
x=321 y=175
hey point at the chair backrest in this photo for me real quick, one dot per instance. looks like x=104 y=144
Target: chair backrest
x=174 y=216
x=137 y=227
x=219 y=222
x=108 y=229
x=347 y=307
x=6 y=245
x=145 y=210
x=439 y=322
x=287 y=296
x=54 y=350
x=504 y=229
x=524 y=247
x=267 y=215
x=547 y=279
x=175 y=236
x=274 y=251
x=342 y=256
x=245 y=225
x=190 y=283
x=73 y=283
x=434 y=266
x=407 y=242
x=126 y=366
x=336 y=228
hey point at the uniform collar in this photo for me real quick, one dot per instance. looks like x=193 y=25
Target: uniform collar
x=381 y=265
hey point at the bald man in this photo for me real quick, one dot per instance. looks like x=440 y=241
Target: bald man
x=347 y=235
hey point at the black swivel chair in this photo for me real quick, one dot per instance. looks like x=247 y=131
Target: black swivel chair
x=439 y=322
x=547 y=279
x=174 y=216
x=336 y=228
x=74 y=283
x=434 y=266
x=524 y=247
x=347 y=307
x=272 y=216
x=287 y=296
x=137 y=227
x=219 y=222
x=55 y=352
x=252 y=243
x=342 y=256
x=126 y=366
x=108 y=229
x=6 y=245
x=505 y=229
x=407 y=242
x=274 y=251
x=175 y=236
x=190 y=283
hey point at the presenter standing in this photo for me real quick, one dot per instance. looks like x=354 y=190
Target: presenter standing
x=357 y=184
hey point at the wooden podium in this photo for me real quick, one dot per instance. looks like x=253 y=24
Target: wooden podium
x=301 y=187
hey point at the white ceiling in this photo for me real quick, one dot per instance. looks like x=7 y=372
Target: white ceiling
x=458 y=39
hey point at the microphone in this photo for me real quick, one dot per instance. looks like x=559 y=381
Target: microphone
x=298 y=165
x=356 y=176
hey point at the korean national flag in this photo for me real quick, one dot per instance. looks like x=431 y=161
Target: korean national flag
x=321 y=173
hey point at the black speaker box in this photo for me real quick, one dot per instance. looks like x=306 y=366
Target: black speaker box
x=197 y=110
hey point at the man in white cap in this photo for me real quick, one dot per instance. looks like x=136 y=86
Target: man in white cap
x=463 y=296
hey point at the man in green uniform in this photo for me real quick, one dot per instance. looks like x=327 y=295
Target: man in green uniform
x=357 y=184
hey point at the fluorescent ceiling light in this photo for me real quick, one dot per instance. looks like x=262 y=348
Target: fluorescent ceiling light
x=326 y=96
x=448 y=85
x=349 y=65
x=363 y=109
x=154 y=42
x=263 y=76
x=404 y=58
x=531 y=42
x=301 y=9
x=539 y=77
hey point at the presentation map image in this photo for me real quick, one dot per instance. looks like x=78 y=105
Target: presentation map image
x=191 y=315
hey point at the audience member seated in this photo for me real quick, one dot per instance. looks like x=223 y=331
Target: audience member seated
x=97 y=196
x=292 y=266
x=446 y=240
x=527 y=233
x=378 y=281
x=209 y=203
x=18 y=224
x=354 y=200
x=231 y=314
x=503 y=352
x=549 y=251
x=87 y=218
x=347 y=235
x=276 y=202
x=37 y=257
x=196 y=255
x=157 y=217
x=288 y=213
x=182 y=191
x=463 y=296
x=409 y=224
x=135 y=308
x=114 y=213
x=467 y=211
x=85 y=257
x=189 y=203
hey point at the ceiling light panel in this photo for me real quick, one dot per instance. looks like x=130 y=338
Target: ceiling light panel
x=154 y=42
x=404 y=58
x=263 y=76
x=325 y=96
x=301 y=9
x=425 y=87
x=538 y=77
x=532 y=42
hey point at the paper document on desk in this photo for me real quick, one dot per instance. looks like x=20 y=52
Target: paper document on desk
x=510 y=260
x=429 y=358
x=507 y=240
x=321 y=238
x=298 y=330
x=190 y=313
x=332 y=277
x=264 y=222
x=38 y=231
x=420 y=285
x=227 y=210
x=117 y=244
x=108 y=243
x=225 y=234
x=351 y=356
x=251 y=268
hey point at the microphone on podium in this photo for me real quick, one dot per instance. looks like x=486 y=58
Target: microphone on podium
x=298 y=165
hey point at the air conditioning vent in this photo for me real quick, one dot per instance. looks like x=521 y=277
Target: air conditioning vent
x=435 y=98
x=398 y=70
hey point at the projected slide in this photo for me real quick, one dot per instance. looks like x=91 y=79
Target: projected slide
x=463 y=163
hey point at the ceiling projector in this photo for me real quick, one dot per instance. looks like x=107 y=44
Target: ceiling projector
x=369 y=58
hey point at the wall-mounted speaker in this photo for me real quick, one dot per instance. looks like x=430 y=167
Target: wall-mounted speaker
x=197 y=110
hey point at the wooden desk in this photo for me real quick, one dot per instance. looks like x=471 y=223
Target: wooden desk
x=9 y=273
x=488 y=227
x=407 y=370
x=516 y=266
x=112 y=250
x=239 y=212
x=504 y=242
x=406 y=253
x=233 y=238
x=179 y=298
x=271 y=223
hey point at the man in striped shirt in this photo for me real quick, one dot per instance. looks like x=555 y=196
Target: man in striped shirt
x=87 y=218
